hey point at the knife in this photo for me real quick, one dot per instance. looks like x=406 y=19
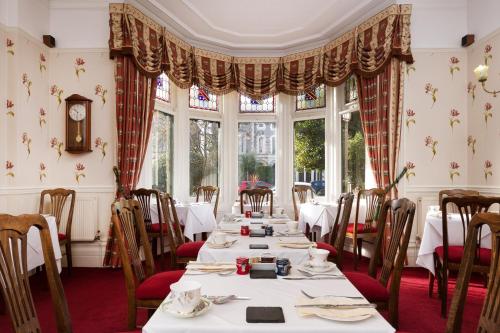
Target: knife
x=338 y=306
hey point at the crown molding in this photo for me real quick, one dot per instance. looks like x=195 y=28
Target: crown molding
x=78 y=4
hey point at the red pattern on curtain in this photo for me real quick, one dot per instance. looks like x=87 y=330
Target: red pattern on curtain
x=135 y=96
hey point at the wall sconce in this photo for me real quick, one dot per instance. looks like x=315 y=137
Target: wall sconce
x=481 y=73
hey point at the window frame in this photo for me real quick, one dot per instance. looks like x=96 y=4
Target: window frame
x=169 y=92
x=217 y=101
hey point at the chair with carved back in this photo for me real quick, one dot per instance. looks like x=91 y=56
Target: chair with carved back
x=154 y=230
x=181 y=252
x=299 y=191
x=400 y=214
x=336 y=237
x=207 y=193
x=454 y=193
x=256 y=198
x=489 y=321
x=449 y=256
x=365 y=230
x=145 y=288
x=58 y=199
x=14 y=275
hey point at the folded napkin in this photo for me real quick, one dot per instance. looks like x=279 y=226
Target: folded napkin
x=296 y=244
x=210 y=267
x=332 y=313
x=229 y=231
x=279 y=221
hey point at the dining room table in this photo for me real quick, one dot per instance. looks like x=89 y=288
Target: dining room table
x=236 y=208
x=432 y=236
x=235 y=221
x=34 y=249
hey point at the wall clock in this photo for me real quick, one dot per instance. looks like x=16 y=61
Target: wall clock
x=78 y=124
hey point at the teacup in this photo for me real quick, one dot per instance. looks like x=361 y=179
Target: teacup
x=318 y=257
x=186 y=295
x=219 y=238
x=293 y=226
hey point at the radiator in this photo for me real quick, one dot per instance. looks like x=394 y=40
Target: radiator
x=84 y=227
x=423 y=204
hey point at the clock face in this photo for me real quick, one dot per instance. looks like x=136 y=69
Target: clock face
x=77 y=112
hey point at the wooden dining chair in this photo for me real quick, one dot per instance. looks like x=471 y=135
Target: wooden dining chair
x=154 y=230
x=365 y=230
x=299 y=192
x=454 y=193
x=489 y=321
x=208 y=193
x=448 y=257
x=181 y=252
x=14 y=275
x=400 y=214
x=58 y=199
x=336 y=237
x=256 y=198
x=145 y=288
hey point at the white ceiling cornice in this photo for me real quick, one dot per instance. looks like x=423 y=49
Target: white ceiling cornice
x=79 y=4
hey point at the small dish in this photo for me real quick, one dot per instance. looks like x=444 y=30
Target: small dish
x=202 y=307
x=329 y=266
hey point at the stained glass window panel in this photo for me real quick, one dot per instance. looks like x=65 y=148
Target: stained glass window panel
x=163 y=88
x=199 y=98
x=250 y=105
x=314 y=99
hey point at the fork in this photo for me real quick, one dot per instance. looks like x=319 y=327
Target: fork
x=312 y=297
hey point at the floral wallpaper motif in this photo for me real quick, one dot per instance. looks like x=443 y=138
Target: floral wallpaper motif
x=79 y=171
x=10 y=105
x=42 y=118
x=432 y=144
x=26 y=140
x=471 y=90
x=411 y=170
x=487 y=53
x=57 y=92
x=10 y=46
x=488 y=113
x=410 y=117
x=9 y=166
x=454 y=114
x=454 y=61
x=101 y=145
x=454 y=167
x=101 y=91
x=471 y=143
x=43 y=171
x=27 y=84
x=43 y=60
x=57 y=145
x=429 y=89
x=79 y=62
x=487 y=169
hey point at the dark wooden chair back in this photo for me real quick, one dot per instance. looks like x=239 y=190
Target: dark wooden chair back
x=145 y=196
x=489 y=321
x=174 y=231
x=454 y=193
x=373 y=199
x=130 y=232
x=58 y=198
x=14 y=275
x=256 y=198
x=338 y=231
x=300 y=191
x=208 y=192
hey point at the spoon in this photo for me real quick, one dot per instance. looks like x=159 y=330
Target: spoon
x=312 y=297
x=225 y=299
x=318 y=274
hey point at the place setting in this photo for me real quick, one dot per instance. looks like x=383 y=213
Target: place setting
x=219 y=240
x=202 y=268
x=291 y=231
x=317 y=267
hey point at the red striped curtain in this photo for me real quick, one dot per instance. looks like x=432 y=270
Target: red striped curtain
x=135 y=98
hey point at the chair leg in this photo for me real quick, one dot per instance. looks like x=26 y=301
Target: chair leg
x=69 y=257
x=162 y=253
x=360 y=249
x=354 y=250
x=431 y=284
x=154 y=245
x=394 y=313
x=132 y=315
x=444 y=292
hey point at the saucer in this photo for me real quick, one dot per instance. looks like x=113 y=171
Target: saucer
x=221 y=246
x=318 y=269
x=202 y=307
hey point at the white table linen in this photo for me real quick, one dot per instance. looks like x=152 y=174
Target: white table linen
x=34 y=248
x=433 y=236
x=241 y=249
x=237 y=209
x=231 y=317
x=255 y=223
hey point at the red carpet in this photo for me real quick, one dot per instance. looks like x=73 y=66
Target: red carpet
x=97 y=302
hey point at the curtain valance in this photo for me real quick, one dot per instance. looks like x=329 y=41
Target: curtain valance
x=364 y=50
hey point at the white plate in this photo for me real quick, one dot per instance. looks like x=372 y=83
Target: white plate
x=318 y=269
x=332 y=316
x=204 y=305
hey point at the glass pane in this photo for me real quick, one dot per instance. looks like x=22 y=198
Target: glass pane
x=351 y=90
x=162 y=149
x=199 y=98
x=353 y=152
x=256 y=154
x=203 y=154
x=248 y=104
x=309 y=153
x=313 y=99
x=163 y=88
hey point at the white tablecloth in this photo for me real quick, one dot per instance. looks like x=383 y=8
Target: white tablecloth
x=256 y=223
x=35 y=251
x=323 y=215
x=237 y=209
x=230 y=317
x=433 y=237
x=195 y=217
x=241 y=249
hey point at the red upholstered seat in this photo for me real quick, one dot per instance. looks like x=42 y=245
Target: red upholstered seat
x=61 y=236
x=328 y=247
x=456 y=253
x=155 y=227
x=189 y=249
x=371 y=289
x=361 y=228
x=157 y=286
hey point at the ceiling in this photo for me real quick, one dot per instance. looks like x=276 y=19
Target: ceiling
x=259 y=26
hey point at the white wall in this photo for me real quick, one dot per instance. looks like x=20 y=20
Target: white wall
x=482 y=17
